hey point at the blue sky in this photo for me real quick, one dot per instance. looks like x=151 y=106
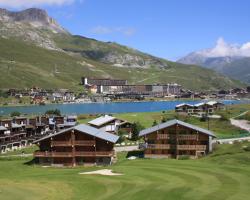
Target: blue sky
x=168 y=29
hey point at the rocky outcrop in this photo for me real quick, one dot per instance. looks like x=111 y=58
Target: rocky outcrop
x=30 y=25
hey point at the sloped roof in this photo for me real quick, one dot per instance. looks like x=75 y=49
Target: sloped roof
x=101 y=120
x=88 y=130
x=183 y=104
x=14 y=125
x=199 y=104
x=174 y=122
x=211 y=103
x=2 y=128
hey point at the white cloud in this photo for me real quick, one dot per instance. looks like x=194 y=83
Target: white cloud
x=108 y=30
x=31 y=3
x=223 y=49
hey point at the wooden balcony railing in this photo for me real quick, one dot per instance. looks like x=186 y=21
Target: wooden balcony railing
x=52 y=154
x=61 y=143
x=77 y=143
x=77 y=154
x=93 y=153
x=84 y=142
x=162 y=136
x=192 y=147
x=61 y=154
x=187 y=137
x=158 y=146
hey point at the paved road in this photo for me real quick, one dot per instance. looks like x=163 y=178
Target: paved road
x=243 y=124
x=231 y=140
x=126 y=148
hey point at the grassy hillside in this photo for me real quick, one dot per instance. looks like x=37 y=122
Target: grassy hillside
x=238 y=69
x=223 y=175
x=23 y=65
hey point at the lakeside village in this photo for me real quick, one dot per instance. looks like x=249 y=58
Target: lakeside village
x=64 y=142
x=111 y=90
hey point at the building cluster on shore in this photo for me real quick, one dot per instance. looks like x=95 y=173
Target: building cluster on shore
x=200 y=108
x=122 y=88
x=106 y=90
x=40 y=96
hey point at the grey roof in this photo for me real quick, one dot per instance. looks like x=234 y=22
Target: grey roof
x=14 y=125
x=183 y=104
x=101 y=120
x=2 y=128
x=173 y=122
x=88 y=130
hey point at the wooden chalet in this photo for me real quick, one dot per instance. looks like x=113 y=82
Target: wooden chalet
x=19 y=132
x=174 y=139
x=110 y=124
x=184 y=108
x=79 y=145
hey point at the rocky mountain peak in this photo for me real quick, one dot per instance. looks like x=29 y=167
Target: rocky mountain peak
x=31 y=14
x=34 y=16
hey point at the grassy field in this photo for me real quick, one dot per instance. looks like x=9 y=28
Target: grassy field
x=223 y=175
x=221 y=127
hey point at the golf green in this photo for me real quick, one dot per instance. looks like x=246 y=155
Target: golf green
x=222 y=175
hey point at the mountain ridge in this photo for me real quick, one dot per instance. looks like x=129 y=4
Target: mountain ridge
x=82 y=56
x=224 y=58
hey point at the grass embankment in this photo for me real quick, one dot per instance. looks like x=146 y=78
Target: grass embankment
x=27 y=150
x=223 y=175
x=13 y=101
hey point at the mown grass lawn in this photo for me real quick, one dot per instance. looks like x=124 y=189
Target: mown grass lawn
x=223 y=175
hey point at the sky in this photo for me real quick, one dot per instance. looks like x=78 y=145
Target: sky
x=165 y=28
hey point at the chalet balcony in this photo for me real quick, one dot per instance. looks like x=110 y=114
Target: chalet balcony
x=158 y=146
x=76 y=154
x=94 y=153
x=192 y=147
x=85 y=143
x=162 y=136
x=187 y=137
x=52 y=154
x=61 y=143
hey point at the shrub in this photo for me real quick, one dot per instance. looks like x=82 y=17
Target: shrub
x=136 y=128
x=203 y=118
x=56 y=112
x=122 y=135
x=163 y=119
x=15 y=114
x=154 y=123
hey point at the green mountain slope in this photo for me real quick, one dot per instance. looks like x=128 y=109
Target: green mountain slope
x=25 y=65
x=238 y=69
